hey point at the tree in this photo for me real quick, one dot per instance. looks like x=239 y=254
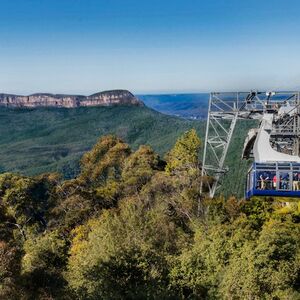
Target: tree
x=185 y=154
x=139 y=167
x=25 y=201
x=105 y=161
x=43 y=264
x=124 y=253
x=198 y=271
x=184 y=168
x=9 y=271
x=267 y=268
x=75 y=203
x=6 y=227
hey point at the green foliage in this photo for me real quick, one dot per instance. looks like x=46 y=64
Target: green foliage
x=185 y=153
x=53 y=140
x=97 y=187
x=42 y=264
x=129 y=227
x=267 y=268
x=122 y=255
x=199 y=270
x=139 y=168
x=105 y=161
x=232 y=259
x=6 y=232
x=75 y=204
x=25 y=201
x=258 y=210
x=9 y=271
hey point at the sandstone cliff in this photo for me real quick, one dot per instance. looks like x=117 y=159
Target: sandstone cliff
x=107 y=98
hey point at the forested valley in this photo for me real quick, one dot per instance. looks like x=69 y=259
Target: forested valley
x=132 y=225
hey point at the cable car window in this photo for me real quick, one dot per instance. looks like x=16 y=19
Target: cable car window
x=296 y=168
x=284 y=167
x=266 y=180
x=265 y=167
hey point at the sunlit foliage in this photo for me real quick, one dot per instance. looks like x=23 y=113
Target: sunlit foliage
x=129 y=227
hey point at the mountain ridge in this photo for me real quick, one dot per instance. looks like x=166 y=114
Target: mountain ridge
x=105 y=98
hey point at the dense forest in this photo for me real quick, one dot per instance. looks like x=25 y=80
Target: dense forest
x=39 y=140
x=132 y=225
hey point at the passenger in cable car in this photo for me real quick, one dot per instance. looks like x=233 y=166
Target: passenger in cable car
x=284 y=184
x=295 y=182
x=274 y=182
x=269 y=181
x=263 y=181
x=286 y=178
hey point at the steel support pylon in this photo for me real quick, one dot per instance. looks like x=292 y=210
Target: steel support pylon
x=217 y=139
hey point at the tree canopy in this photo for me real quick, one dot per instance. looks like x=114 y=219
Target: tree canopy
x=128 y=227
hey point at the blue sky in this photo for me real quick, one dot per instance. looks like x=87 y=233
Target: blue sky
x=84 y=46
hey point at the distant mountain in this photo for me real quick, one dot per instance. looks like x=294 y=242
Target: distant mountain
x=106 y=98
x=184 y=105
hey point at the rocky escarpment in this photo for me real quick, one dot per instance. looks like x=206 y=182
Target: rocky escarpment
x=107 y=98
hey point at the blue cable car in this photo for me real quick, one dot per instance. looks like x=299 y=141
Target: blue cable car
x=278 y=179
x=273 y=173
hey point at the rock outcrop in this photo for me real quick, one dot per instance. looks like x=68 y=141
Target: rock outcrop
x=107 y=98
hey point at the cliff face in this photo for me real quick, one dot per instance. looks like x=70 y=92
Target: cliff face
x=107 y=98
